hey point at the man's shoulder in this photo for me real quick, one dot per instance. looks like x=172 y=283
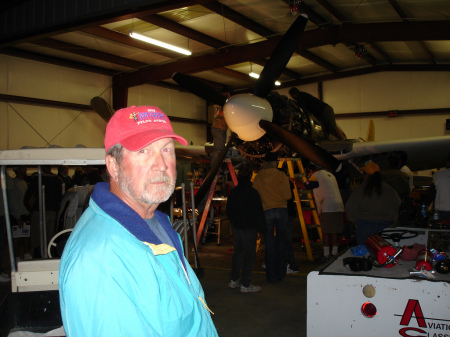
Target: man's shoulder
x=444 y=171
x=251 y=189
x=388 y=189
x=324 y=174
x=393 y=174
x=406 y=169
x=96 y=227
x=279 y=172
x=441 y=173
x=242 y=188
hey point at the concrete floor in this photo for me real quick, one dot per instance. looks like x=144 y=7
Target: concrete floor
x=278 y=310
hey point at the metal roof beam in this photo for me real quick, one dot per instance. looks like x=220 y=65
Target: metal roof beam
x=347 y=34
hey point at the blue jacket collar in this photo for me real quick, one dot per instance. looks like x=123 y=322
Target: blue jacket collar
x=133 y=222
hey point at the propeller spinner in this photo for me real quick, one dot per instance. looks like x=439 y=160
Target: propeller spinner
x=243 y=112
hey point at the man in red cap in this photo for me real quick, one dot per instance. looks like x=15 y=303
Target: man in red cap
x=123 y=272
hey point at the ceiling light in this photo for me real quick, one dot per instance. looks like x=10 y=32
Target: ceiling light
x=159 y=43
x=255 y=75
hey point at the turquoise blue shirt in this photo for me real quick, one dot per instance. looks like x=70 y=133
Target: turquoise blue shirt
x=116 y=277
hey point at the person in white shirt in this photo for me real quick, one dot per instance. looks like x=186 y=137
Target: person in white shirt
x=330 y=207
x=405 y=169
x=441 y=183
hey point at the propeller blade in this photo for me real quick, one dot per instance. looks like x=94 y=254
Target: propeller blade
x=199 y=88
x=302 y=146
x=280 y=57
x=100 y=106
x=205 y=186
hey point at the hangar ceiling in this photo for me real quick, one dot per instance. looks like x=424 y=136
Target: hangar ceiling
x=229 y=38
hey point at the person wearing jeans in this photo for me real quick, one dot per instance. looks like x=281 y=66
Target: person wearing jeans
x=274 y=189
x=246 y=215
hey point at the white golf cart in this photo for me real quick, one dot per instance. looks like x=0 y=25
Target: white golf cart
x=33 y=304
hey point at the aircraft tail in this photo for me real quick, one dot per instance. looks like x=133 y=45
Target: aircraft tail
x=370 y=132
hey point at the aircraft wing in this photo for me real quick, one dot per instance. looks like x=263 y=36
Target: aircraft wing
x=423 y=153
x=194 y=152
x=203 y=153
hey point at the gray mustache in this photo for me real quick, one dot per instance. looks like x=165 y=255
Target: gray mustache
x=161 y=178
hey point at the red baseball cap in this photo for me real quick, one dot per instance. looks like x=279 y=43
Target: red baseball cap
x=136 y=127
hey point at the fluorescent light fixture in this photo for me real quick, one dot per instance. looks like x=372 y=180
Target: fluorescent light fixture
x=159 y=43
x=255 y=75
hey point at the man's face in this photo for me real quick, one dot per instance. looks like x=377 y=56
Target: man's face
x=148 y=176
x=217 y=110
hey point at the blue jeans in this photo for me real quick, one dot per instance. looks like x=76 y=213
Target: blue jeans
x=366 y=228
x=290 y=245
x=276 y=218
x=244 y=254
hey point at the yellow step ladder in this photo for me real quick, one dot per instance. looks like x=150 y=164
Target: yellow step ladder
x=309 y=199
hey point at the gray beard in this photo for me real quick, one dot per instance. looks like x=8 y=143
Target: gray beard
x=157 y=195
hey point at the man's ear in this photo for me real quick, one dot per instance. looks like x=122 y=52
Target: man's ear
x=112 y=166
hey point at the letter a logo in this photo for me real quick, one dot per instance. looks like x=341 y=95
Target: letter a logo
x=413 y=306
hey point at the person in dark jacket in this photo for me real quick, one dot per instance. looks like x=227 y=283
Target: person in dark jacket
x=396 y=178
x=246 y=215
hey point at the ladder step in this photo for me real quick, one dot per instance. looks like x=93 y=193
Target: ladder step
x=312 y=226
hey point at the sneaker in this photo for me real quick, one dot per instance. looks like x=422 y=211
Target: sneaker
x=250 y=289
x=4 y=278
x=291 y=271
x=234 y=284
x=27 y=257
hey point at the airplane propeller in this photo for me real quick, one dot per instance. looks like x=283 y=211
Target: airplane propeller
x=250 y=115
x=301 y=145
x=280 y=57
x=100 y=106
